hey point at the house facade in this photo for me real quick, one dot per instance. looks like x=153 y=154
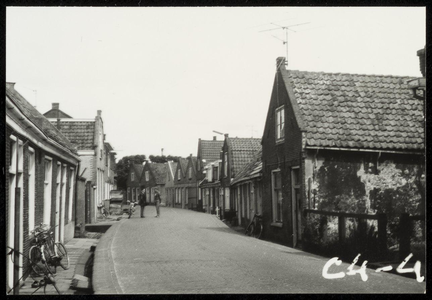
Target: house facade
x=185 y=182
x=171 y=167
x=154 y=176
x=343 y=143
x=87 y=135
x=40 y=182
x=208 y=173
x=133 y=184
x=246 y=190
x=236 y=153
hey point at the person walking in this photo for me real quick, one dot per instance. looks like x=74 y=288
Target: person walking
x=157 y=202
x=142 y=202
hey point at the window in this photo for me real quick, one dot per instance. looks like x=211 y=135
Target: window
x=47 y=191
x=190 y=173
x=215 y=173
x=147 y=177
x=226 y=164
x=178 y=174
x=132 y=176
x=280 y=122
x=71 y=192
x=277 y=196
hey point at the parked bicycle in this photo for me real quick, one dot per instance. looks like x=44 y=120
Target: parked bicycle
x=104 y=212
x=255 y=227
x=131 y=209
x=45 y=252
x=48 y=277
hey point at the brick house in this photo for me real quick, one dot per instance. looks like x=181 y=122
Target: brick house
x=153 y=175
x=342 y=143
x=89 y=138
x=169 y=183
x=40 y=183
x=208 y=168
x=185 y=183
x=133 y=183
x=246 y=189
x=236 y=153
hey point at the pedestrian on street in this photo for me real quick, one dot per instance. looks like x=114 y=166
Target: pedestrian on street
x=157 y=202
x=142 y=202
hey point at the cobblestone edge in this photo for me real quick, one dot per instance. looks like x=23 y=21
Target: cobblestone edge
x=104 y=278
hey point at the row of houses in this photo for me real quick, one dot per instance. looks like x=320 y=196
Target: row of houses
x=59 y=169
x=335 y=147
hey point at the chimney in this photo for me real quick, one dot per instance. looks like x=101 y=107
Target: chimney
x=226 y=135
x=55 y=106
x=422 y=60
x=99 y=113
x=214 y=138
x=280 y=62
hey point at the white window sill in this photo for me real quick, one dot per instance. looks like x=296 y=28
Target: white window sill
x=276 y=224
x=281 y=141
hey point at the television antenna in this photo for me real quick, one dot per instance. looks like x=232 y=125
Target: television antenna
x=285 y=28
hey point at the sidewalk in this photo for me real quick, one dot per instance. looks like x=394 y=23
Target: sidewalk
x=79 y=252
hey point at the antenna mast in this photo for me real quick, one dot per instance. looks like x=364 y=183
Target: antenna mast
x=285 y=42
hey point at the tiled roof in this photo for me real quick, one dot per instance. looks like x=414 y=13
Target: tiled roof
x=210 y=150
x=56 y=113
x=80 y=133
x=251 y=170
x=242 y=150
x=138 y=170
x=173 y=167
x=358 y=111
x=159 y=171
x=183 y=164
x=37 y=118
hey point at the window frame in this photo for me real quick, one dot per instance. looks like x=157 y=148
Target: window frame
x=280 y=124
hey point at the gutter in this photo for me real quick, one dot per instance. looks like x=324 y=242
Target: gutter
x=362 y=150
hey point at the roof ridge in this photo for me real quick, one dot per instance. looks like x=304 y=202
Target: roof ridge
x=352 y=74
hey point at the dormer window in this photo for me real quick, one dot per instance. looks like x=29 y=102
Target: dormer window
x=190 y=173
x=132 y=176
x=178 y=174
x=280 y=124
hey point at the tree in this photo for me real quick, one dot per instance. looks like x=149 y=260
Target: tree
x=163 y=158
x=122 y=168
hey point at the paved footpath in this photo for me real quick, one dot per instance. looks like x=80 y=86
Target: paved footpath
x=76 y=248
x=187 y=252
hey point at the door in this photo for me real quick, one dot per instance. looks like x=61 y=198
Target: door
x=296 y=206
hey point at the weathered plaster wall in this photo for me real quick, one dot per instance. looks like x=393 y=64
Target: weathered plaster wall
x=364 y=183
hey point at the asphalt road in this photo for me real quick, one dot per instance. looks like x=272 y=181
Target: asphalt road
x=186 y=252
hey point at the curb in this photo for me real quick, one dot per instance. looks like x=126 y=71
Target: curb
x=104 y=277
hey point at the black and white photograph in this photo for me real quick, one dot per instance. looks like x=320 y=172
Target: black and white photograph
x=185 y=151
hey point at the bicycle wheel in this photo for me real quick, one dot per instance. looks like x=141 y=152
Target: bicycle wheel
x=250 y=229
x=258 y=231
x=36 y=261
x=62 y=256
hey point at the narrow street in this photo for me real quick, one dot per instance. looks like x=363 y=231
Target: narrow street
x=186 y=252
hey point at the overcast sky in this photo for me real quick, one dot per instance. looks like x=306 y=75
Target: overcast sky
x=164 y=77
